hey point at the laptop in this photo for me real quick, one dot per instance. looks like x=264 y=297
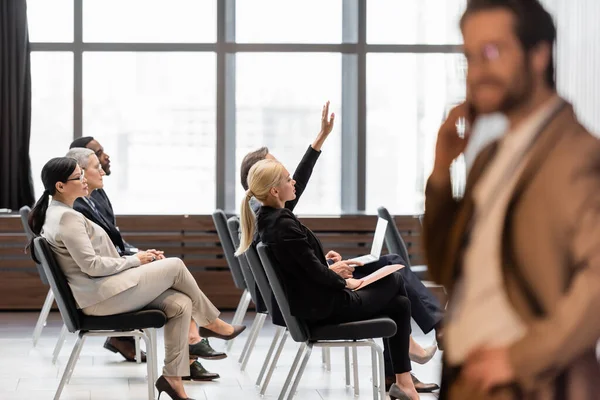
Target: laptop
x=377 y=244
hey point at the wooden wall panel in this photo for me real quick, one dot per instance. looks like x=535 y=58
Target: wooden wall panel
x=192 y=238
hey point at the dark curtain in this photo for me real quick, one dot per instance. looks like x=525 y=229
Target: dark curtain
x=16 y=186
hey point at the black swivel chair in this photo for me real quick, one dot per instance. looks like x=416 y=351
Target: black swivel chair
x=128 y=324
x=349 y=334
x=220 y=221
x=396 y=245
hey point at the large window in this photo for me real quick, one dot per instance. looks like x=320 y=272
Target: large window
x=289 y=21
x=285 y=115
x=52 y=109
x=179 y=91
x=408 y=96
x=149 y=21
x=154 y=113
x=414 y=22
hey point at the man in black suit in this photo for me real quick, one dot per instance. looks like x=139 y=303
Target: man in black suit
x=425 y=308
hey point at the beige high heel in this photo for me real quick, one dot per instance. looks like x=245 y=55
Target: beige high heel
x=429 y=353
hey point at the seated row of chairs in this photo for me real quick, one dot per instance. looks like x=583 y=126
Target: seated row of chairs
x=257 y=269
x=254 y=269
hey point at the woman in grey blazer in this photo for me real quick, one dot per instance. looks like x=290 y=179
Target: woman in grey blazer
x=103 y=283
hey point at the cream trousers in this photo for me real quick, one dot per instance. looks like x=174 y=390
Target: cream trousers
x=166 y=285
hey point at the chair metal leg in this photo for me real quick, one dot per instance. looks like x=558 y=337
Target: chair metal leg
x=328 y=359
x=151 y=355
x=59 y=343
x=154 y=353
x=278 y=334
x=250 y=334
x=150 y=361
x=69 y=367
x=355 y=369
x=76 y=359
x=138 y=351
x=265 y=384
x=292 y=371
x=347 y=365
x=380 y=366
x=309 y=348
x=240 y=312
x=252 y=339
x=41 y=322
x=374 y=371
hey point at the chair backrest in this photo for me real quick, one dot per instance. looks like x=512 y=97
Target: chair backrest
x=220 y=221
x=233 y=224
x=393 y=240
x=297 y=327
x=24 y=212
x=58 y=282
x=260 y=277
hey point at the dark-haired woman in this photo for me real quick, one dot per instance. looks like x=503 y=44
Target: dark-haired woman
x=103 y=283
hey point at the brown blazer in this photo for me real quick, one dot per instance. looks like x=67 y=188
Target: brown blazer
x=550 y=258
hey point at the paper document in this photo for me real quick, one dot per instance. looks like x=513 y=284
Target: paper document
x=377 y=275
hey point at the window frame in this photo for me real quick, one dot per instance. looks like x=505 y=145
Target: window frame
x=354 y=49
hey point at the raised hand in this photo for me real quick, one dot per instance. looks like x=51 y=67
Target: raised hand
x=326 y=127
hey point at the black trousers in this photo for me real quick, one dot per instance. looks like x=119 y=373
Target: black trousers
x=386 y=297
x=424 y=306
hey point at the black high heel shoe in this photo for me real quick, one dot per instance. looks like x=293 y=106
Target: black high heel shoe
x=207 y=333
x=162 y=385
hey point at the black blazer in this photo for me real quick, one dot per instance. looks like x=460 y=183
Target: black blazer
x=104 y=205
x=98 y=217
x=302 y=175
x=313 y=289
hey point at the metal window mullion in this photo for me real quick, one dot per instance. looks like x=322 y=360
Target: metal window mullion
x=361 y=112
x=77 y=69
x=226 y=147
x=349 y=167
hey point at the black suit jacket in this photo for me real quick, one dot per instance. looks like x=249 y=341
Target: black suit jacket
x=99 y=218
x=104 y=205
x=313 y=289
x=302 y=175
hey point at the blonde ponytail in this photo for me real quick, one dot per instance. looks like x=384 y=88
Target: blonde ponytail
x=263 y=176
x=248 y=225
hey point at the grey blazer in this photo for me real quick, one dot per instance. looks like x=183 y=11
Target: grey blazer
x=87 y=256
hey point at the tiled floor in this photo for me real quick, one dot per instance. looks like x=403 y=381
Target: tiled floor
x=27 y=372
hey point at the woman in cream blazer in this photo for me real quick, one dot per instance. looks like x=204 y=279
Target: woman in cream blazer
x=103 y=283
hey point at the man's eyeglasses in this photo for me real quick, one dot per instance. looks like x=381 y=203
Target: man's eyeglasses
x=79 y=178
x=489 y=53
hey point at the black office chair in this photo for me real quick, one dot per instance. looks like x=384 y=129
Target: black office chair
x=349 y=334
x=233 y=225
x=396 y=245
x=41 y=321
x=220 y=221
x=127 y=324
